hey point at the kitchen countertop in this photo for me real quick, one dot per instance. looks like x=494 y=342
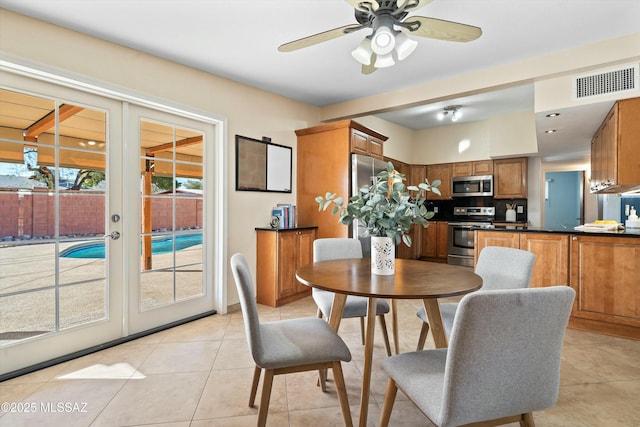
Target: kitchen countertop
x=630 y=232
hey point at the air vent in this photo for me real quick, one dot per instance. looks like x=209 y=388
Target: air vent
x=607 y=82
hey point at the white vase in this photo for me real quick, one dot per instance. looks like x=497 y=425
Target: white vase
x=511 y=215
x=383 y=255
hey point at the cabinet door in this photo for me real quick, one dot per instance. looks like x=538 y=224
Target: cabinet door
x=429 y=247
x=483 y=167
x=442 y=246
x=510 y=178
x=287 y=263
x=304 y=251
x=604 y=274
x=443 y=173
x=552 y=258
x=375 y=147
x=483 y=239
x=359 y=142
x=462 y=169
x=413 y=252
x=417 y=174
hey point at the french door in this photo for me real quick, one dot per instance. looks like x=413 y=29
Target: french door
x=103 y=220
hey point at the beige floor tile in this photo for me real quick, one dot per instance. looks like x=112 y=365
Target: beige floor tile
x=173 y=357
x=233 y=354
x=154 y=399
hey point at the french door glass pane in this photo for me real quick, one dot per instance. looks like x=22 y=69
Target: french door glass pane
x=52 y=198
x=171 y=194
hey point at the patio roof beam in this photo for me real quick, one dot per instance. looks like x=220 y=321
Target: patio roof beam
x=47 y=122
x=169 y=146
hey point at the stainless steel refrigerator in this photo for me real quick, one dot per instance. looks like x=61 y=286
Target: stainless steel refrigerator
x=363 y=169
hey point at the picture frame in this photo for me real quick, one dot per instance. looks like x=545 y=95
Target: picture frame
x=263 y=166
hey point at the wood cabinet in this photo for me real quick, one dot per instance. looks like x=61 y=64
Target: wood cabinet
x=363 y=142
x=417 y=174
x=435 y=240
x=412 y=252
x=604 y=274
x=510 y=178
x=481 y=167
x=615 y=152
x=324 y=164
x=551 y=250
x=279 y=254
x=440 y=172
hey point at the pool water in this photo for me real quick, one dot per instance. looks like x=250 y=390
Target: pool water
x=159 y=245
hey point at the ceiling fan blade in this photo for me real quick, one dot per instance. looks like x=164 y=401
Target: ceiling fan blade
x=318 y=38
x=368 y=69
x=442 y=30
x=355 y=3
x=418 y=6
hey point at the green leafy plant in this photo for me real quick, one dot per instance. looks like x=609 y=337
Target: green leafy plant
x=385 y=208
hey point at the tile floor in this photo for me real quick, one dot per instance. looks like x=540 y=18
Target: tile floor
x=199 y=374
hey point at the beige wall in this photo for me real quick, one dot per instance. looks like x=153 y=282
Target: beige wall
x=248 y=111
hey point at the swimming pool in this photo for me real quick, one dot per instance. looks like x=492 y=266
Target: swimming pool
x=159 y=245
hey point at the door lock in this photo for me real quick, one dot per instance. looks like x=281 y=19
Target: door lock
x=114 y=235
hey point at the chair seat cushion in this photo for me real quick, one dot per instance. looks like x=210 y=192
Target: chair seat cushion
x=447 y=312
x=298 y=342
x=420 y=375
x=355 y=306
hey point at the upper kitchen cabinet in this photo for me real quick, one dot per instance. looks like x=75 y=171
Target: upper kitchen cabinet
x=323 y=163
x=443 y=173
x=365 y=141
x=615 y=152
x=481 y=167
x=417 y=174
x=510 y=178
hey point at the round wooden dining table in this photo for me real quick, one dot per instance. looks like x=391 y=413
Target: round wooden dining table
x=413 y=279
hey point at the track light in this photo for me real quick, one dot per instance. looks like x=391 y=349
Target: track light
x=454 y=110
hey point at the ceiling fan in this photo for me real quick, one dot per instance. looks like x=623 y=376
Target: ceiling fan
x=385 y=44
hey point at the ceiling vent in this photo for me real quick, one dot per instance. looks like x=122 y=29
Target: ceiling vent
x=621 y=79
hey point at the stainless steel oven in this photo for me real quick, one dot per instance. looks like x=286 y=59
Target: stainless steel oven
x=461 y=233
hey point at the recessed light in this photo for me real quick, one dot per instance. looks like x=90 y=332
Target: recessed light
x=553 y=115
x=550 y=131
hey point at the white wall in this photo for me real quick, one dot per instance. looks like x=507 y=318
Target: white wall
x=248 y=111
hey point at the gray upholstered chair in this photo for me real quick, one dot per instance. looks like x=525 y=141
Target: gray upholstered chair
x=287 y=346
x=355 y=306
x=500 y=268
x=502 y=363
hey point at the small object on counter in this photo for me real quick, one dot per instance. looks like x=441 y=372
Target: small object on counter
x=510 y=215
x=632 y=221
x=632 y=214
x=601 y=226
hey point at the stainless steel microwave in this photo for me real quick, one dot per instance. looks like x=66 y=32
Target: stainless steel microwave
x=472 y=186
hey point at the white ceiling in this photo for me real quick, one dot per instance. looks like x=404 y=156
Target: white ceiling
x=239 y=39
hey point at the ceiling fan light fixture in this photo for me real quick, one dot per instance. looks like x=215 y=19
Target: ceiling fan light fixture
x=383 y=41
x=404 y=45
x=363 y=52
x=383 y=61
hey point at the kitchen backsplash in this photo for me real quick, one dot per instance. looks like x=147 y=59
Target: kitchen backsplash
x=445 y=207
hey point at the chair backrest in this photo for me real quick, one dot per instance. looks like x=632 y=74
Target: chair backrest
x=505 y=268
x=244 y=284
x=336 y=248
x=504 y=354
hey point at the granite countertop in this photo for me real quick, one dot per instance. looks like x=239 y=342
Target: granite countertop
x=630 y=232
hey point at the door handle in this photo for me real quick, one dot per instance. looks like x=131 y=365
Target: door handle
x=114 y=235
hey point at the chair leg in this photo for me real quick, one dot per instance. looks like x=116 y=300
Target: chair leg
x=342 y=393
x=254 y=386
x=423 y=336
x=385 y=334
x=527 y=420
x=322 y=379
x=266 y=396
x=362 y=329
x=387 y=405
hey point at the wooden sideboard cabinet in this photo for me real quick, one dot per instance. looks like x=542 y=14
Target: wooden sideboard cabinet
x=510 y=178
x=279 y=254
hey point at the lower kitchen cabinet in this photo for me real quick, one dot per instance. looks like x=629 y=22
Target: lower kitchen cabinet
x=551 y=250
x=603 y=270
x=606 y=278
x=279 y=254
x=435 y=241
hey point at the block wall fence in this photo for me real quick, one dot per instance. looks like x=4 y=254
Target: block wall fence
x=32 y=213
